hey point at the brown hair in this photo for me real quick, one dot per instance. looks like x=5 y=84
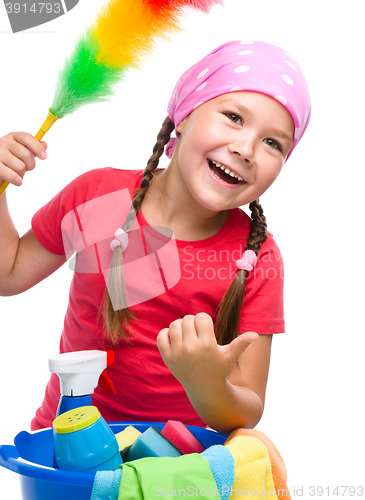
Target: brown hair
x=117 y=316
x=229 y=309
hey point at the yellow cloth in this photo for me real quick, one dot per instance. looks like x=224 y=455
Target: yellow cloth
x=259 y=468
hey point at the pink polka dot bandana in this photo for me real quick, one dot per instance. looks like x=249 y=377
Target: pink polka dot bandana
x=243 y=65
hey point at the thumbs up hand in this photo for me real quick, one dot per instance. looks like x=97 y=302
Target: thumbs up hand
x=190 y=350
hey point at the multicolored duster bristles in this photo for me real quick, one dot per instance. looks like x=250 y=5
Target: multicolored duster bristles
x=123 y=35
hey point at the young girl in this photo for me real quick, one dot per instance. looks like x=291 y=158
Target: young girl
x=183 y=286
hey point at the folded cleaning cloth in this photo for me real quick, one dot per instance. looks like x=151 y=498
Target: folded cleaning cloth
x=222 y=466
x=106 y=485
x=260 y=471
x=148 y=478
x=191 y=475
x=248 y=466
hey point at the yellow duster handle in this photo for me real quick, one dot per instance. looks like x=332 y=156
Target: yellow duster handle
x=47 y=124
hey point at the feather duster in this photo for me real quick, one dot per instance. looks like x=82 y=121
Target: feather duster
x=123 y=36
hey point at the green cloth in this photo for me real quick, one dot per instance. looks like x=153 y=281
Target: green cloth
x=154 y=477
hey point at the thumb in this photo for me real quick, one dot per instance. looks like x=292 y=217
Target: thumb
x=240 y=344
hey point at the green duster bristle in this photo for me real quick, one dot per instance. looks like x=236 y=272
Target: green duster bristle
x=82 y=80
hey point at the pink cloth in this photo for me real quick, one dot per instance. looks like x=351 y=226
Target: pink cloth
x=243 y=65
x=146 y=389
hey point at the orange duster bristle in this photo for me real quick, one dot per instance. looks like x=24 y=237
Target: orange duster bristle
x=126 y=30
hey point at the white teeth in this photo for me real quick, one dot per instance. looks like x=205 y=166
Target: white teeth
x=226 y=170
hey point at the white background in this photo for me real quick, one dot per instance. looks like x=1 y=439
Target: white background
x=314 y=407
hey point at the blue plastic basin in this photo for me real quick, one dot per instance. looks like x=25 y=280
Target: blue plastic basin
x=32 y=459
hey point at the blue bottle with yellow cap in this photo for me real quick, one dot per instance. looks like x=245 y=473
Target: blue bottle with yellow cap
x=84 y=442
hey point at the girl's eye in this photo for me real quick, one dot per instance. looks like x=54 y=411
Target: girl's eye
x=273 y=144
x=234 y=118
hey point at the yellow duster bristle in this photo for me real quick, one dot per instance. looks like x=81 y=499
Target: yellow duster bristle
x=126 y=31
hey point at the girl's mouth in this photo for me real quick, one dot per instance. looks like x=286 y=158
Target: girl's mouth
x=224 y=174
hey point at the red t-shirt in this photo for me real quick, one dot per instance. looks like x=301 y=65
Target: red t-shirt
x=166 y=279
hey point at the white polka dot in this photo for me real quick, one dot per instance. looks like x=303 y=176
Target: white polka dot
x=235 y=88
x=241 y=69
x=204 y=72
x=244 y=53
x=287 y=79
x=281 y=99
x=201 y=86
x=196 y=105
x=287 y=54
x=297 y=132
x=246 y=43
x=291 y=65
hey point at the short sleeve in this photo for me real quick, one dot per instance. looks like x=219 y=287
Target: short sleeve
x=263 y=303
x=47 y=222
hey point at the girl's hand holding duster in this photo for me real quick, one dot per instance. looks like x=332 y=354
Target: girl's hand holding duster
x=17 y=155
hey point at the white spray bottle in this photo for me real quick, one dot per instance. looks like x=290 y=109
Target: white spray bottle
x=80 y=372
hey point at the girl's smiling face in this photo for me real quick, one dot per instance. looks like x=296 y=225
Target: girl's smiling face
x=232 y=148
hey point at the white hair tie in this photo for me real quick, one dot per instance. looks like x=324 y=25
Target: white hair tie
x=121 y=240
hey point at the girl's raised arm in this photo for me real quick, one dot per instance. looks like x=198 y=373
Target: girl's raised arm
x=24 y=262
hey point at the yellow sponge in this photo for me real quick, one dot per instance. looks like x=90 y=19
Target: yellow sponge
x=126 y=438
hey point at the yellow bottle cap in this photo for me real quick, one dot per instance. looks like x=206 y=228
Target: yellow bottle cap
x=76 y=420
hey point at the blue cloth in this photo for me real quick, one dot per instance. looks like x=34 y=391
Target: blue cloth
x=222 y=465
x=106 y=485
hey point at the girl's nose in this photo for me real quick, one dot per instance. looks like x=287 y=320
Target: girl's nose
x=244 y=147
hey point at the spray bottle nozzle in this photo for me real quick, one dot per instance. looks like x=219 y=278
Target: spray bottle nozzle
x=80 y=371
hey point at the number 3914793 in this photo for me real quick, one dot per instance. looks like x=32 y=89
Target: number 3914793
x=35 y=8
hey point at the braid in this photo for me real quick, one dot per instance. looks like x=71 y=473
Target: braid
x=115 y=322
x=258 y=227
x=229 y=309
x=163 y=138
